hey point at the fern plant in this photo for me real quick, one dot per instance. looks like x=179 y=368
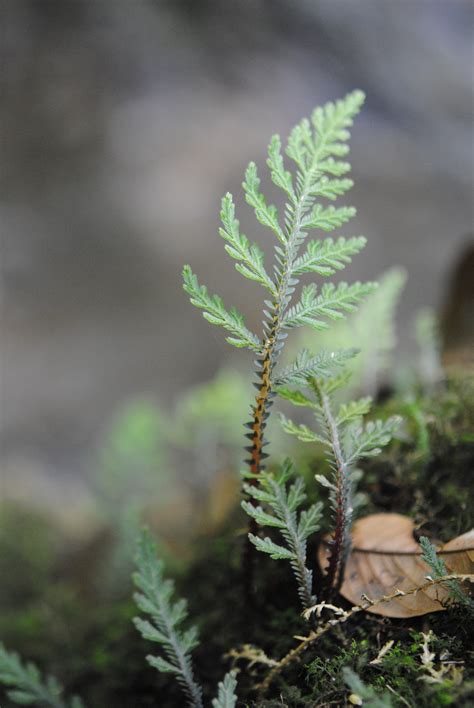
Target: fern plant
x=347 y=440
x=155 y=599
x=315 y=148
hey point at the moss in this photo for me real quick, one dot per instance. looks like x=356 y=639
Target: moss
x=90 y=643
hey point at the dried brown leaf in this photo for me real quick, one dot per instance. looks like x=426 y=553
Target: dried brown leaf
x=386 y=556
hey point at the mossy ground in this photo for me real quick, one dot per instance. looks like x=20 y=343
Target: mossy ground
x=85 y=635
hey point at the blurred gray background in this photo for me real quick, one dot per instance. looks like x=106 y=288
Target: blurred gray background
x=124 y=122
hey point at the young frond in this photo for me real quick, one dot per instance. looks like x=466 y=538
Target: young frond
x=328 y=256
x=439 y=570
x=267 y=215
x=226 y=698
x=326 y=137
x=332 y=302
x=239 y=247
x=320 y=366
x=26 y=686
x=166 y=616
x=284 y=503
x=215 y=313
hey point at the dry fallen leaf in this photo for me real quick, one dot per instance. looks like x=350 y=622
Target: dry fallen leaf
x=386 y=557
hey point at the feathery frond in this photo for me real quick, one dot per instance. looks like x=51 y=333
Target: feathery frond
x=166 y=617
x=316 y=146
x=347 y=440
x=332 y=302
x=215 y=313
x=226 y=697
x=26 y=686
x=295 y=525
x=438 y=570
x=238 y=247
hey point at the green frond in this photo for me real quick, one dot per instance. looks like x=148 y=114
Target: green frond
x=26 y=685
x=226 y=698
x=166 y=617
x=368 y=440
x=266 y=545
x=328 y=218
x=260 y=516
x=215 y=313
x=326 y=135
x=298 y=398
x=280 y=177
x=301 y=431
x=352 y=411
x=328 y=256
x=331 y=188
x=239 y=247
x=438 y=570
x=332 y=302
x=331 y=123
x=295 y=526
x=267 y=215
x=306 y=366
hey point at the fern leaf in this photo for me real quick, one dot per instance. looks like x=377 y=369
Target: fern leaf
x=215 y=313
x=266 y=215
x=239 y=247
x=260 y=516
x=26 y=685
x=309 y=521
x=332 y=302
x=302 y=432
x=298 y=398
x=307 y=366
x=285 y=502
x=328 y=218
x=280 y=177
x=226 y=697
x=156 y=600
x=266 y=545
x=349 y=412
x=368 y=441
x=328 y=256
x=438 y=570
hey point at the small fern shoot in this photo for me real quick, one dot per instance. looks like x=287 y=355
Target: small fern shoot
x=284 y=513
x=347 y=440
x=165 y=628
x=156 y=600
x=316 y=148
x=26 y=686
x=439 y=570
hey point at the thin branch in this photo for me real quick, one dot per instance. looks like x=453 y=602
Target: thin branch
x=343 y=616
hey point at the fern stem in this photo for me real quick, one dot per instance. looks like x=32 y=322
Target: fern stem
x=339 y=546
x=272 y=344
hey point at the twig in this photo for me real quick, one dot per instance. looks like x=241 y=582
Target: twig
x=343 y=616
